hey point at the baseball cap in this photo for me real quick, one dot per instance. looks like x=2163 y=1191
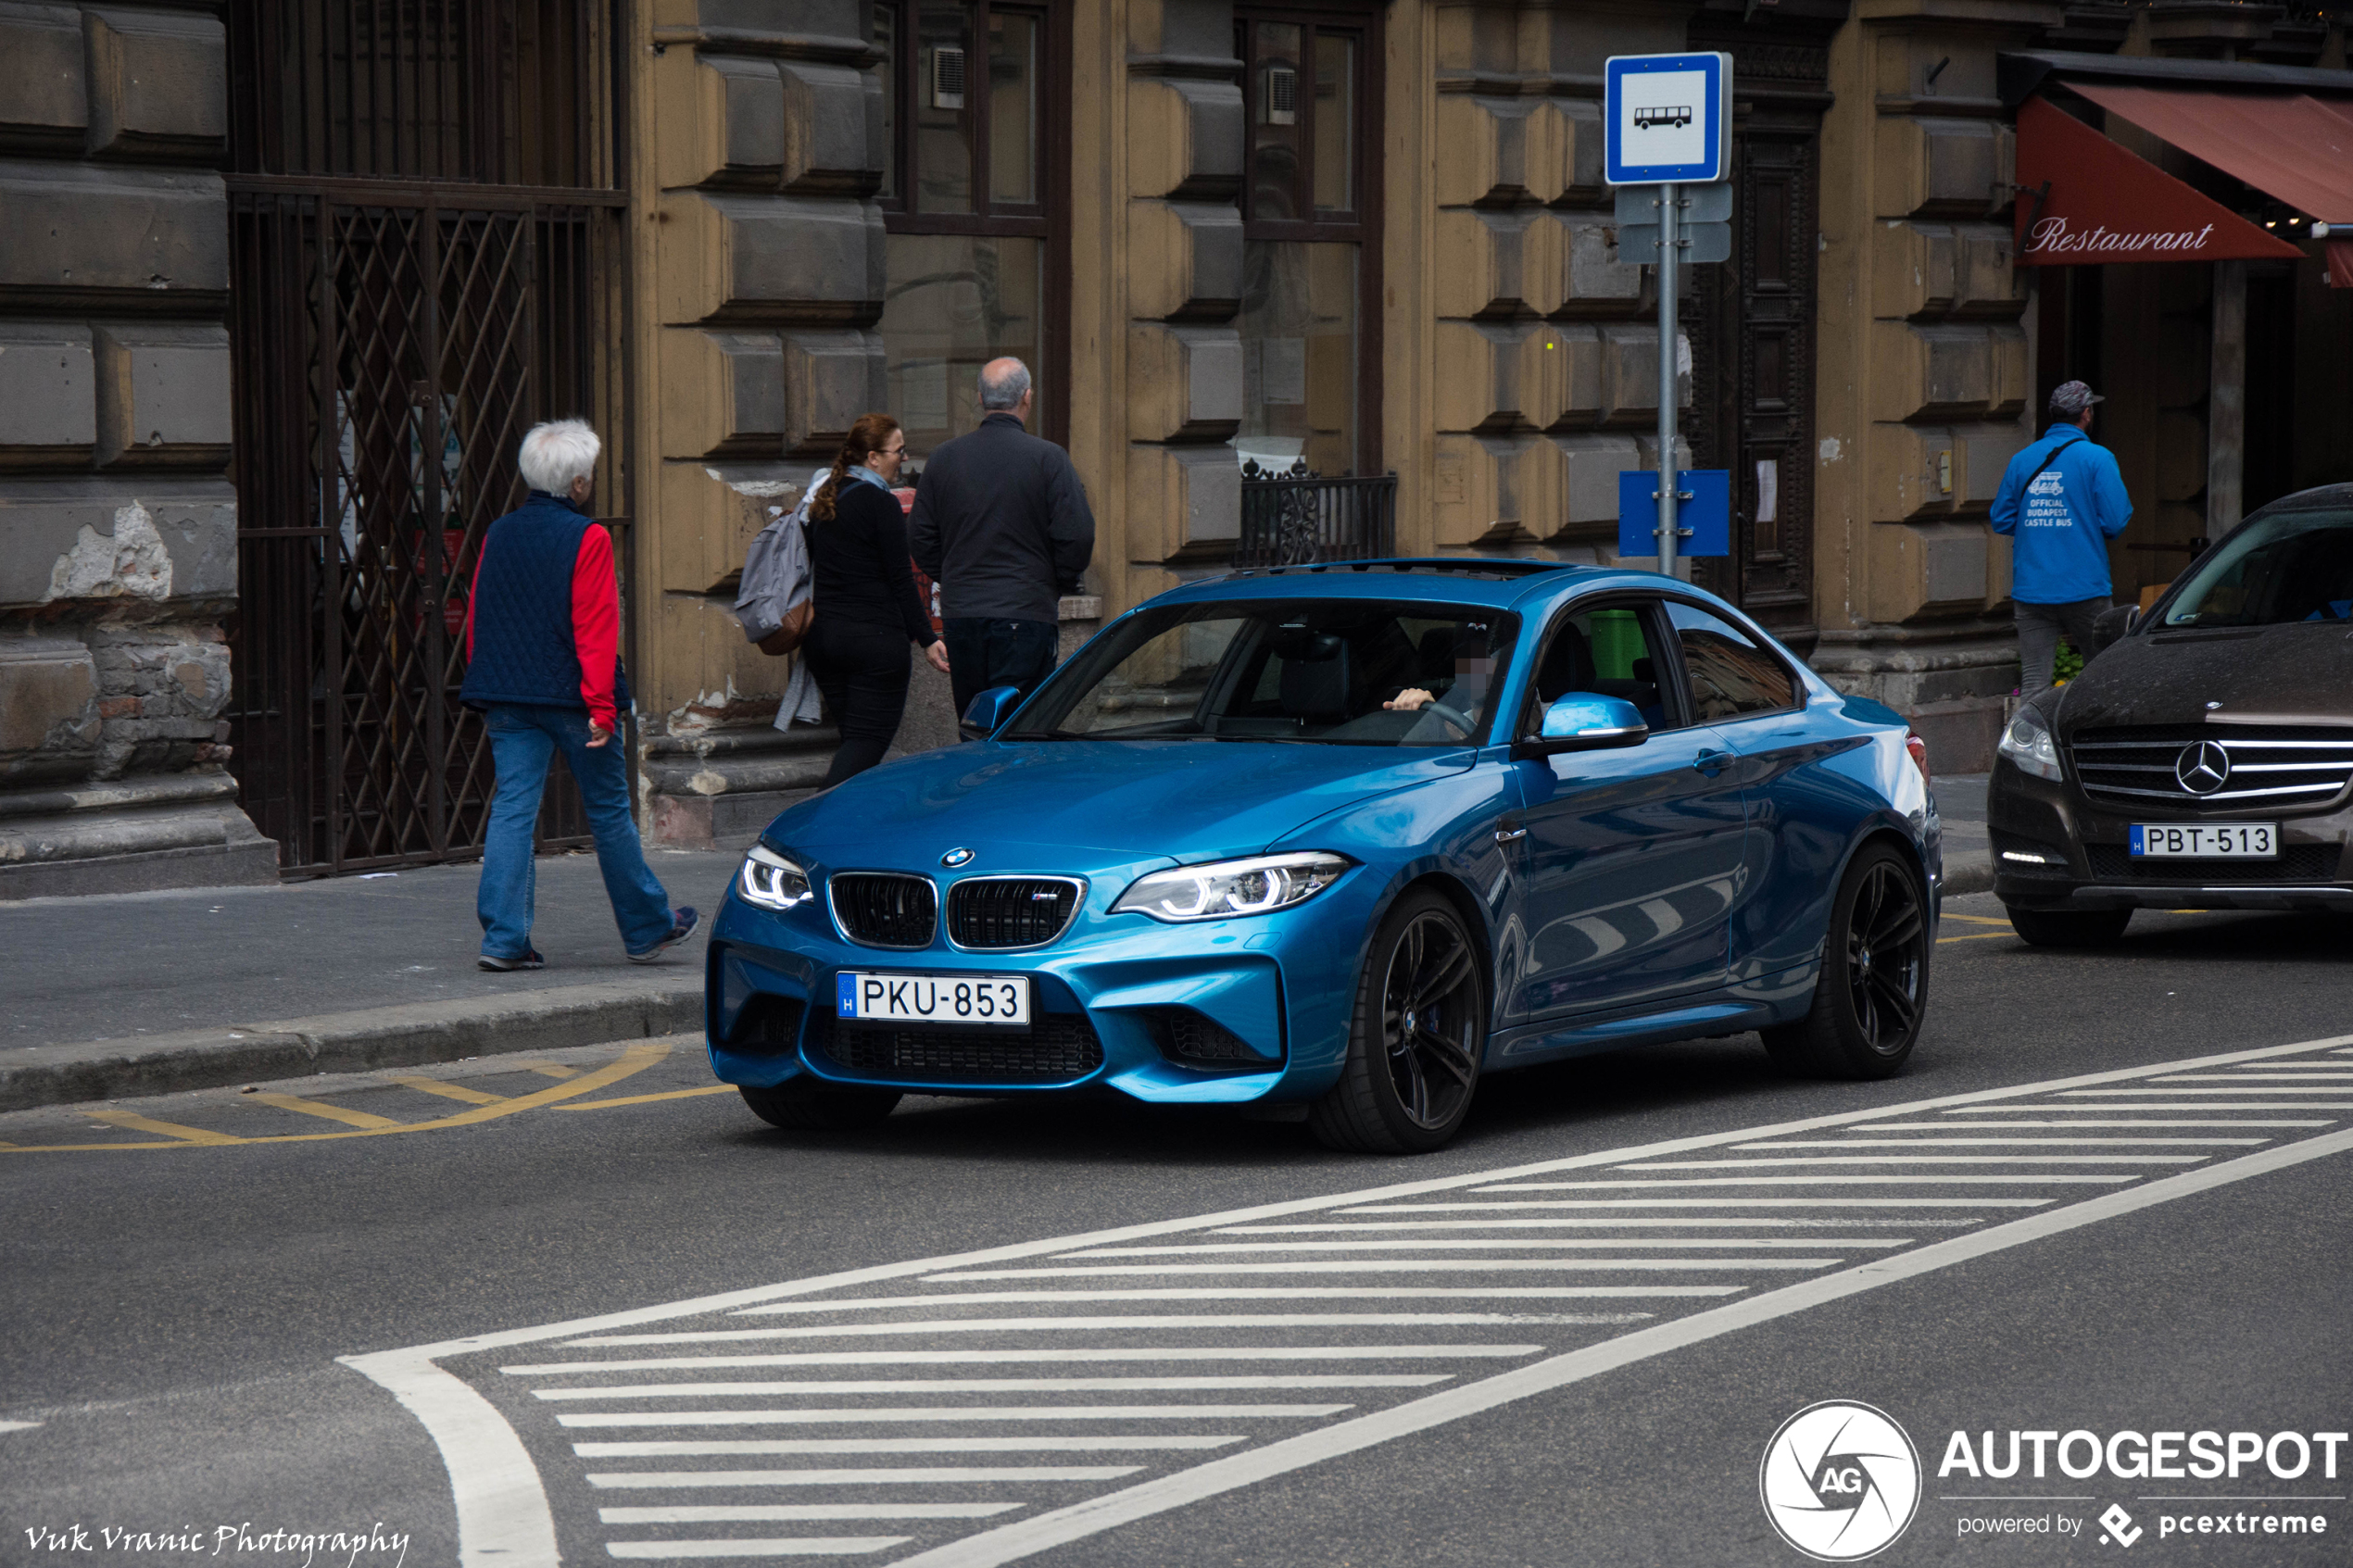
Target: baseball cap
x=2072 y=398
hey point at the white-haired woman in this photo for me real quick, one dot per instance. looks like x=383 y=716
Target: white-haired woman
x=543 y=662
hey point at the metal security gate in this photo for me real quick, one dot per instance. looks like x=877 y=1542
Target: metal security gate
x=403 y=310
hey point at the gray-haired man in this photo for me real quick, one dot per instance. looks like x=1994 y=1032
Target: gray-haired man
x=1002 y=524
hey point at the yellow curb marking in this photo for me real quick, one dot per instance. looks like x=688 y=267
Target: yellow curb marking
x=648 y=1100
x=1974 y=936
x=1978 y=919
x=634 y=1060
x=147 y=1124
x=548 y=1068
x=451 y=1091
x=315 y=1108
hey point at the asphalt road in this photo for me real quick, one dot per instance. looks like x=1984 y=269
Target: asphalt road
x=1544 y=1371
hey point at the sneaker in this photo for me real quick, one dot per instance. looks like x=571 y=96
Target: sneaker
x=525 y=959
x=683 y=922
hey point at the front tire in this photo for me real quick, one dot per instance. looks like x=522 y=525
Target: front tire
x=1874 y=991
x=1414 y=1044
x=2069 y=928
x=804 y=1106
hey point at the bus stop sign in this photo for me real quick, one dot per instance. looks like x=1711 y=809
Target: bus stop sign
x=1667 y=118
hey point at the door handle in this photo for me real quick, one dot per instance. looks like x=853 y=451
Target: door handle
x=1713 y=762
x=1509 y=832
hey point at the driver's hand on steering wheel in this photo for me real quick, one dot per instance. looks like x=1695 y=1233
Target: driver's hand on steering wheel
x=1409 y=701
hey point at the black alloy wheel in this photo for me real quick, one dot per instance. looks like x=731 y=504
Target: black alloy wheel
x=2069 y=928
x=1415 y=1045
x=805 y=1105
x=1873 y=994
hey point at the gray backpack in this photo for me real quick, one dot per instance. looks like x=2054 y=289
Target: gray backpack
x=774 y=603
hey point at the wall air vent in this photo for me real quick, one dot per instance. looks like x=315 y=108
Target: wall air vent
x=1279 y=105
x=946 y=77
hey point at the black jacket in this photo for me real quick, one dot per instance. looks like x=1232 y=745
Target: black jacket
x=1001 y=523
x=858 y=559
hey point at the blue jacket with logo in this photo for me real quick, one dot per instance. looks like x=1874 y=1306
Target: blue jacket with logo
x=2060 y=523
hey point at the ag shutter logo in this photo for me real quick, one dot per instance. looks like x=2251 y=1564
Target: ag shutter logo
x=1840 y=1480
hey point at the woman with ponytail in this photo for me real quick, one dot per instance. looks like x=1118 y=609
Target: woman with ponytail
x=868 y=611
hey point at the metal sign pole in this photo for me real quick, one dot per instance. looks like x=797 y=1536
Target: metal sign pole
x=1669 y=248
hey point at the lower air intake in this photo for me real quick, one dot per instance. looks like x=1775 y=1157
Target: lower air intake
x=1057 y=1047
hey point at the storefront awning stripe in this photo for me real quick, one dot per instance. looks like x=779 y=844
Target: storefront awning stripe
x=2085 y=201
x=2296 y=148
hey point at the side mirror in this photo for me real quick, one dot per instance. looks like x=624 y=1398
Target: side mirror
x=1585 y=721
x=988 y=711
x=2112 y=625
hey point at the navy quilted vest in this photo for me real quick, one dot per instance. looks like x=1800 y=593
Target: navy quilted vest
x=524 y=649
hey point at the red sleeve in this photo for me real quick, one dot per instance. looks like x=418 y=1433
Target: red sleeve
x=596 y=623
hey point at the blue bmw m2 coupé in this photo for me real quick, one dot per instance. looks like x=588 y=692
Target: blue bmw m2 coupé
x=1346 y=839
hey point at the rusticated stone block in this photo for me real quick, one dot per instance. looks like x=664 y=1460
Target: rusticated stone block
x=1498 y=152
x=1931 y=372
x=1486 y=378
x=709 y=513
x=1912 y=270
x=44 y=104
x=1590 y=467
x=74 y=229
x=1185 y=261
x=1593 y=281
x=1184 y=138
x=1933 y=569
x=1914 y=471
x=1979 y=458
x=163 y=396
x=723 y=394
x=1497 y=263
x=729 y=259
x=49 y=719
x=102 y=540
x=48 y=395
x=1196 y=493
x=1936 y=167
x=2013 y=376
x=1185 y=384
x=830 y=378
x=1629 y=374
x=722 y=120
x=832 y=128
x=1492 y=490
x=159 y=83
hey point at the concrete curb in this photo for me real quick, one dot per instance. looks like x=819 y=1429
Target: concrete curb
x=1969 y=873
x=410 y=1036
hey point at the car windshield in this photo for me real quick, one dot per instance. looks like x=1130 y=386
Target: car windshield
x=2290 y=566
x=1333 y=671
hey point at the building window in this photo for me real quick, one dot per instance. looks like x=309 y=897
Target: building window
x=967 y=197
x=1309 y=311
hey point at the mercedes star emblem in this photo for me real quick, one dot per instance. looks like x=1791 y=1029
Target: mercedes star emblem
x=2203 y=768
x=955 y=857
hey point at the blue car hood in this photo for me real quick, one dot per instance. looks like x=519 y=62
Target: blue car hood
x=1188 y=800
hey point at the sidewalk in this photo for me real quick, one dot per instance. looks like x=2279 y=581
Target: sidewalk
x=150 y=993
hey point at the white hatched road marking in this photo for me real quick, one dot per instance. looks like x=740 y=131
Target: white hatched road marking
x=505 y=1519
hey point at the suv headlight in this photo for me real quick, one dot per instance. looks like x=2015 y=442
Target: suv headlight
x=770 y=880
x=1225 y=888
x=2028 y=742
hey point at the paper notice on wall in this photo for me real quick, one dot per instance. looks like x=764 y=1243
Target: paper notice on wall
x=1769 y=490
x=922 y=394
x=1283 y=377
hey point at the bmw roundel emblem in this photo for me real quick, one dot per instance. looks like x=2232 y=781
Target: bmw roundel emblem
x=955 y=857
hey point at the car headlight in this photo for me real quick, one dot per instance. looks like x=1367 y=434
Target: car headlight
x=770 y=880
x=1225 y=888
x=2028 y=743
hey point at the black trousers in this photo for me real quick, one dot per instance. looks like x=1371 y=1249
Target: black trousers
x=862 y=671
x=984 y=653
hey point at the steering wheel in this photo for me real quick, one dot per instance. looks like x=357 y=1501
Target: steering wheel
x=1452 y=716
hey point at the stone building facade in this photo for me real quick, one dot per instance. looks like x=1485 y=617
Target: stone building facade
x=1363 y=237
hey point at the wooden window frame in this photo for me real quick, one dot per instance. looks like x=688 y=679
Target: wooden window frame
x=1047 y=218
x=1362 y=20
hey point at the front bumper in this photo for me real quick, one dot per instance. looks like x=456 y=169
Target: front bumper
x=1117 y=1001
x=2087 y=866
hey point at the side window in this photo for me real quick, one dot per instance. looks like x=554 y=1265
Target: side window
x=1609 y=650
x=1729 y=674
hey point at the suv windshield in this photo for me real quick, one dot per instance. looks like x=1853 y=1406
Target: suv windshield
x=1339 y=671
x=2291 y=566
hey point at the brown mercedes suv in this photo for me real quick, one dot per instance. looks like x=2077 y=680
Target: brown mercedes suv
x=2202 y=760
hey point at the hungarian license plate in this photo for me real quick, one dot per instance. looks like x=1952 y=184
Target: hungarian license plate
x=2207 y=841
x=863 y=997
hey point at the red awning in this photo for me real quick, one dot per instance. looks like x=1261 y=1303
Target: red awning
x=2105 y=203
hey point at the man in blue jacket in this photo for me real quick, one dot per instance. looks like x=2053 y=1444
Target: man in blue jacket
x=2061 y=501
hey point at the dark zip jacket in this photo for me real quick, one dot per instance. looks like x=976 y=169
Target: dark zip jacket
x=1001 y=523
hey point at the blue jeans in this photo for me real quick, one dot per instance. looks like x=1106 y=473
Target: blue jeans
x=983 y=652
x=523 y=738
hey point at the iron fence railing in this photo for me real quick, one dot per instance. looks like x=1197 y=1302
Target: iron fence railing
x=1297 y=516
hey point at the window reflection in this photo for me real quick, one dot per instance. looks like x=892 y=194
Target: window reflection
x=954 y=303
x=1298 y=322
x=1013 y=108
x=1275 y=131
x=942 y=118
x=1335 y=127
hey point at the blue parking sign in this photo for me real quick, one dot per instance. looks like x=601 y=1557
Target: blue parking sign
x=1708 y=513
x=1667 y=118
